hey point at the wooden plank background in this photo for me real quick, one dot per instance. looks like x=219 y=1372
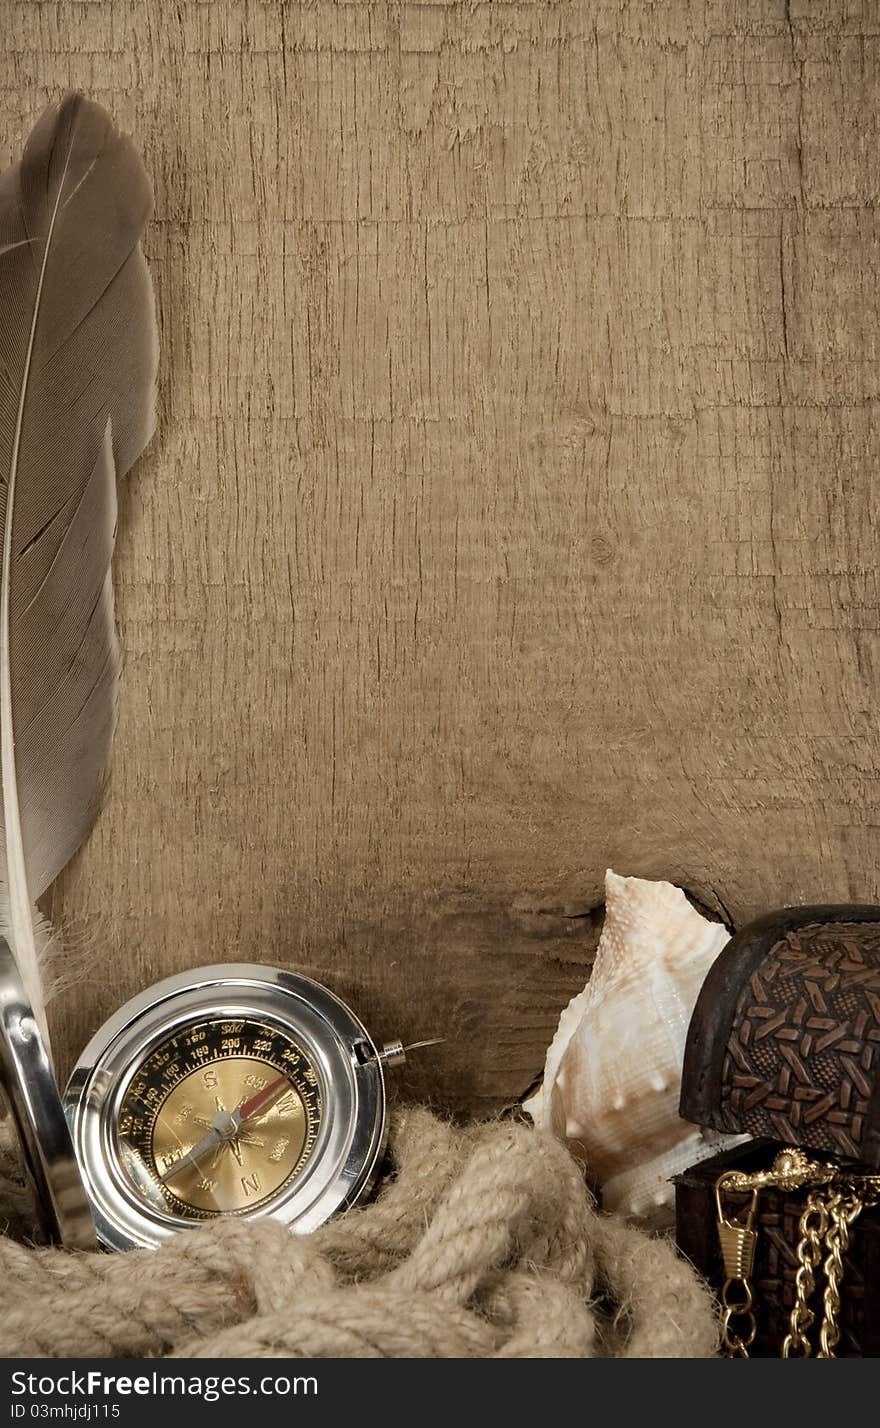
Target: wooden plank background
x=511 y=509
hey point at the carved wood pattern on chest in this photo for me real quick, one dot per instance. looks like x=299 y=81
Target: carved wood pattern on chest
x=801 y=1058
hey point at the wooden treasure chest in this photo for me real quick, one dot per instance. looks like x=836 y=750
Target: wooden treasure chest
x=784 y=1048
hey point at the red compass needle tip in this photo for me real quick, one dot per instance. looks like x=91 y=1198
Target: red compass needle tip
x=256 y=1103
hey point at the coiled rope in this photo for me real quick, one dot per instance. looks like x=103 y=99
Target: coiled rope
x=483 y=1243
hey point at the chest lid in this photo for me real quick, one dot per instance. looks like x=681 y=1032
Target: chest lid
x=784 y=1041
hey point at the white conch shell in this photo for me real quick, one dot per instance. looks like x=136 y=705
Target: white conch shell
x=613 y=1073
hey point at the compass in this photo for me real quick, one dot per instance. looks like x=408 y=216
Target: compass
x=234 y=1090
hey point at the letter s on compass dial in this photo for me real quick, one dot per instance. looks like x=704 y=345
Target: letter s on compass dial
x=222 y=1115
x=232 y=1090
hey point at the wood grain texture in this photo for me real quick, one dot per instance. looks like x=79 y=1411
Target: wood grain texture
x=511 y=510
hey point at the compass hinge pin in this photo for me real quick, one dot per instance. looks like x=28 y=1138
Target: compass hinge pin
x=393 y=1053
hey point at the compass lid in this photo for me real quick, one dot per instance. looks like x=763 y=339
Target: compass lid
x=32 y=1118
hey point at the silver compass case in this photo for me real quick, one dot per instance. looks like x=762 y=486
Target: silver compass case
x=130 y=1210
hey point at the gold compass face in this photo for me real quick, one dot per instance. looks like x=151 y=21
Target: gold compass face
x=219 y=1118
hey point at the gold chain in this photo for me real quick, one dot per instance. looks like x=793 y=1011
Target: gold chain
x=835 y=1201
x=843 y=1210
x=740 y=1310
x=813 y=1226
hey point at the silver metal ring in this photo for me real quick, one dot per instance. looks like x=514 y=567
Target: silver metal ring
x=28 y=1079
x=351 y=1139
